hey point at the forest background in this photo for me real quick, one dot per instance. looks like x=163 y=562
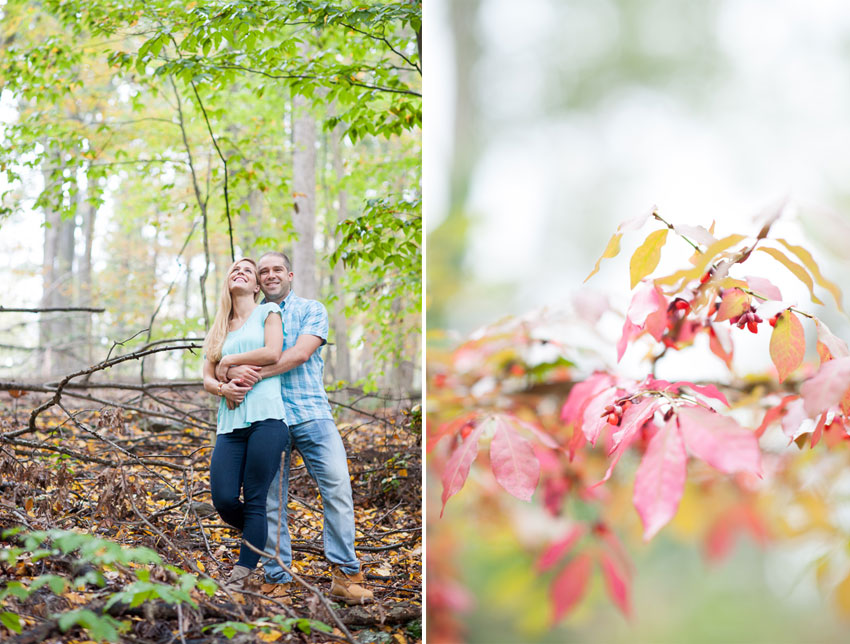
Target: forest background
x=144 y=146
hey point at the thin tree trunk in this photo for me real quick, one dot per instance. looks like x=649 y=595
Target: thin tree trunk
x=340 y=321
x=304 y=187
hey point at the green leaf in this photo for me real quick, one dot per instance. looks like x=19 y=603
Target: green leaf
x=11 y=621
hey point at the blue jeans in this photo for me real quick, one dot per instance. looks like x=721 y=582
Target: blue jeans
x=321 y=447
x=248 y=458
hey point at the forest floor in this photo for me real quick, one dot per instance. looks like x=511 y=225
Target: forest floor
x=94 y=478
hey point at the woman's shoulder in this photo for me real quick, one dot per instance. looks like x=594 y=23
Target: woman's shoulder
x=265 y=309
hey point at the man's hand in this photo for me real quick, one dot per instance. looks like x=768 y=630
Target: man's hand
x=234 y=392
x=248 y=374
x=221 y=368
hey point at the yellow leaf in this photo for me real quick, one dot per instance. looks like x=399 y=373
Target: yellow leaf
x=734 y=302
x=799 y=272
x=610 y=251
x=645 y=258
x=809 y=262
x=787 y=344
x=200 y=565
x=705 y=259
x=271 y=636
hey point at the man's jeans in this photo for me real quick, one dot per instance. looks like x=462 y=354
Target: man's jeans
x=321 y=447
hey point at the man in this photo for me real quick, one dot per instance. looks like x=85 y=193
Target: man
x=312 y=432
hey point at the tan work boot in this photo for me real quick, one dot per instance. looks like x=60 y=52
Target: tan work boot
x=238 y=577
x=347 y=588
x=280 y=592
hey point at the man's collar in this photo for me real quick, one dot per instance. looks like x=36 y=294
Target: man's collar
x=289 y=295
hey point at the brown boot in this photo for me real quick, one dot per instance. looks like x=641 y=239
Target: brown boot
x=280 y=592
x=347 y=588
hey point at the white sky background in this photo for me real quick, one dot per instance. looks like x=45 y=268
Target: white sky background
x=777 y=126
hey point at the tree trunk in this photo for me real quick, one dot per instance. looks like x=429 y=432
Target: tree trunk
x=340 y=321
x=84 y=275
x=304 y=187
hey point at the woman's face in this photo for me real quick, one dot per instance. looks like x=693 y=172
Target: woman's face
x=243 y=278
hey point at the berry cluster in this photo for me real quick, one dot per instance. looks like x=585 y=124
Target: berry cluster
x=615 y=411
x=748 y=318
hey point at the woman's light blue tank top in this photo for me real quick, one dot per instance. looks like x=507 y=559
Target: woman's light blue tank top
x=263 y=401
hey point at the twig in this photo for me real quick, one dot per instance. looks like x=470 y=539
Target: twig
x=318 y=593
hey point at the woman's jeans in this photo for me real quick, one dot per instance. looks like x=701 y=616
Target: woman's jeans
x=248 y=459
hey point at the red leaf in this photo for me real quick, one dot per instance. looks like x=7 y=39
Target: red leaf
x=513 y=461
x=457 y=467
x=569 y=586
x=616 y=583
x=450 y=427
x=719 y=441
x=774 y=413
x=787 y=344
x=720 y=343
x=660 y=479
x=816 y=435
x=827 y=387
x=557 y=550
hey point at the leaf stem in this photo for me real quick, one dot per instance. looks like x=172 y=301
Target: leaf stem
x=671 y=227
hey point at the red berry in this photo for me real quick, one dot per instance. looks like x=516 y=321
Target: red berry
x=681 y=305
x=706 y=276
x=753 y=326
x=613 y=419
x=772 y=321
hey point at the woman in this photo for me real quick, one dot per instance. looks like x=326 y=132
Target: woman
x=251 y=436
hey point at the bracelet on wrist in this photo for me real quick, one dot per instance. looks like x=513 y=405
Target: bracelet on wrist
x=220 y=385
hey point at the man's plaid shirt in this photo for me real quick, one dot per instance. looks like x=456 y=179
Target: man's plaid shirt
x=302 y=388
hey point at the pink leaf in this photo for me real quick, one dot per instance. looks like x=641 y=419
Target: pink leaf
x=647 y=299
x=557 y=550
x=633 y=419
x=764 y=287
x=630 y=331
x=719 y=441
x=541 y=435
x=660 y=479
x=593 y=422
x=569 y=586
x=616 y=583
x=457 y=467
x=709 y=391
x=792 y=420
x=513 y=461
x=836 y=347
x=581 y=394
x=827 y=387
x=787 y=344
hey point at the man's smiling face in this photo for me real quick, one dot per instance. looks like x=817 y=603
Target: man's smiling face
x=275 y=278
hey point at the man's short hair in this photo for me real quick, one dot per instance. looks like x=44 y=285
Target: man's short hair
x=283 y=256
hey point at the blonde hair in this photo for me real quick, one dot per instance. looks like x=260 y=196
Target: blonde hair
x=218 y=332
